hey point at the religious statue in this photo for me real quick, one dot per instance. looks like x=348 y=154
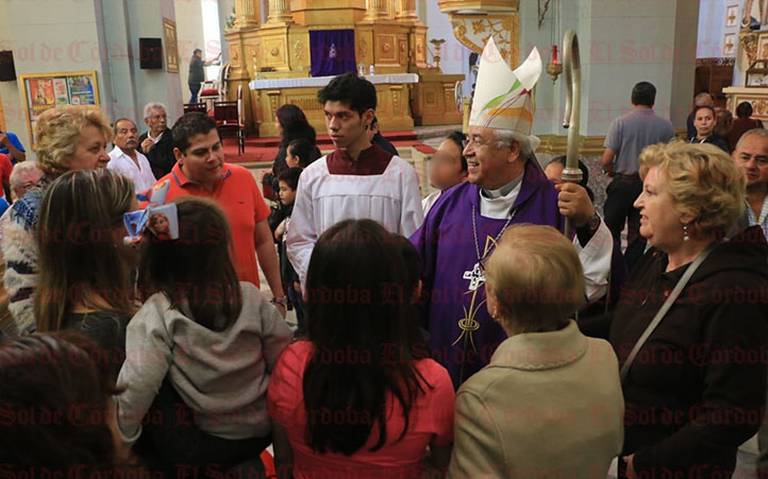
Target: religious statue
x=762 y=13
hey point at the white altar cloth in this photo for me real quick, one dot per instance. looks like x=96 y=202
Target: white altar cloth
x=305 y=82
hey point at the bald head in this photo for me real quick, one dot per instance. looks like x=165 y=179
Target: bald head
x=751 y=155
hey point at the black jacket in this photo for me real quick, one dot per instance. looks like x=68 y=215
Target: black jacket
x=161 y=157
x=716 y=140
x=385 y=144
x=697 y=388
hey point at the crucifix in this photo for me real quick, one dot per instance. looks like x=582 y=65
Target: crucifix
x=468 y=324
x=475 y=276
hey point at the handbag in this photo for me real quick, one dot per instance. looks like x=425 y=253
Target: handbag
x=681 y=283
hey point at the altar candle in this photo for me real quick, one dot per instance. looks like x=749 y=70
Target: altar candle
x=554 y=55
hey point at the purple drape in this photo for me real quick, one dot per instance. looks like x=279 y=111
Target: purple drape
x=332 y=52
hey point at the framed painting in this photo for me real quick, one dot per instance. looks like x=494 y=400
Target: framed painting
x=171 y=46
x=762 y=48
x=732 y=16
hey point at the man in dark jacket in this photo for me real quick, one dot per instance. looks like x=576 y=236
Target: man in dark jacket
x=157 y=143
x=378 y=138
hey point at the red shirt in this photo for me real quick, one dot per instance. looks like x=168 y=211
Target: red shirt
x=431 y=417
x=5 y=172
x=239 y=196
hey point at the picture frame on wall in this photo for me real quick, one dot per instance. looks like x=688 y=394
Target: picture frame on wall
x=730 y=44
x=171 y=46
x=762 y=48
x=732 y=16
x=42 y=91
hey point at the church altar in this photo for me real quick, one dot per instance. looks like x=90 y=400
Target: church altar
x=320 y=82
x=286 y=58
x=393 y=110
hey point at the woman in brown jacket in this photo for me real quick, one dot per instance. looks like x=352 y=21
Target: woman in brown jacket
x=549 y=403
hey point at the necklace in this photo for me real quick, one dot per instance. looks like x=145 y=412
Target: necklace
x=475 y=275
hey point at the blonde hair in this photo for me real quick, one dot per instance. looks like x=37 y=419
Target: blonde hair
x=703 y=180
x=536 y=276
x=57 y=133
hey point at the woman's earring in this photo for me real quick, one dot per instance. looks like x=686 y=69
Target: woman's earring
x=685 y=233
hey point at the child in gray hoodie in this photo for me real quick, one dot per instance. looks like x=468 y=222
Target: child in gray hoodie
x=215 y=339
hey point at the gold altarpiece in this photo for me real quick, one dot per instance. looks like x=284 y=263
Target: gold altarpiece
x=388 y=35
x=751 y=55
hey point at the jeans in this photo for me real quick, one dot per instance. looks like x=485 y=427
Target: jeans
x=295 y=298
x=194 y=89
x=172 y=444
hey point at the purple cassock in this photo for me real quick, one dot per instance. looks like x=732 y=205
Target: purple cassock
x=449 y=253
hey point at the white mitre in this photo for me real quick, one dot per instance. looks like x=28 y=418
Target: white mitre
x=503 y=98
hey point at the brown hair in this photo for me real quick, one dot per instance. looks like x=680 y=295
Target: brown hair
x=195 y=270
x=78 y=258
x=535 y=274
x=55 y=380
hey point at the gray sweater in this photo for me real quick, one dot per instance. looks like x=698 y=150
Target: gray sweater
x=222 y=376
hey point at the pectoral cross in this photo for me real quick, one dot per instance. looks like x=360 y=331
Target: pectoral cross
x=475 y=276
x=468 y=324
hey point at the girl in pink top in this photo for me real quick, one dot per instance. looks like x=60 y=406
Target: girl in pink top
x=359 y=398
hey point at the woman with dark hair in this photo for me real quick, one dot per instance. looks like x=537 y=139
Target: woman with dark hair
x=293 y=125
x=84 y=280
x=57 y=409
x=301 y=153
x=213 y=338
x=743 y=123
x=705 y=121
x=360 y=397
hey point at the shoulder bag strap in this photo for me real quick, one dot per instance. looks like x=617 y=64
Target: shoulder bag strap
x=663 y=311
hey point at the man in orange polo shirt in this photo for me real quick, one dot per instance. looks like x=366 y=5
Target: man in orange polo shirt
x=200 y=171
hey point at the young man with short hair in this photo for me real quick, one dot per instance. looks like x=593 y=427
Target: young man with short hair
x=357 y=180
x=200 y=171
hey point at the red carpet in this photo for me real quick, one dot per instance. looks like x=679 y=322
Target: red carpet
x=258 y=150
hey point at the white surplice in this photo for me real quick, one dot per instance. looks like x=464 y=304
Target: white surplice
x=595 y=256
x=323 y=199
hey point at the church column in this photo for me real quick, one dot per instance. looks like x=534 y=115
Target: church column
x=406 y=10
x=375 y=9
x=279 y=11
x=246 y=14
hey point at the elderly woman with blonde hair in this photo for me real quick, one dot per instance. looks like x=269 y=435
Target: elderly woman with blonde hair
x=549 y=403
x=690 y=328
x=67 y=138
